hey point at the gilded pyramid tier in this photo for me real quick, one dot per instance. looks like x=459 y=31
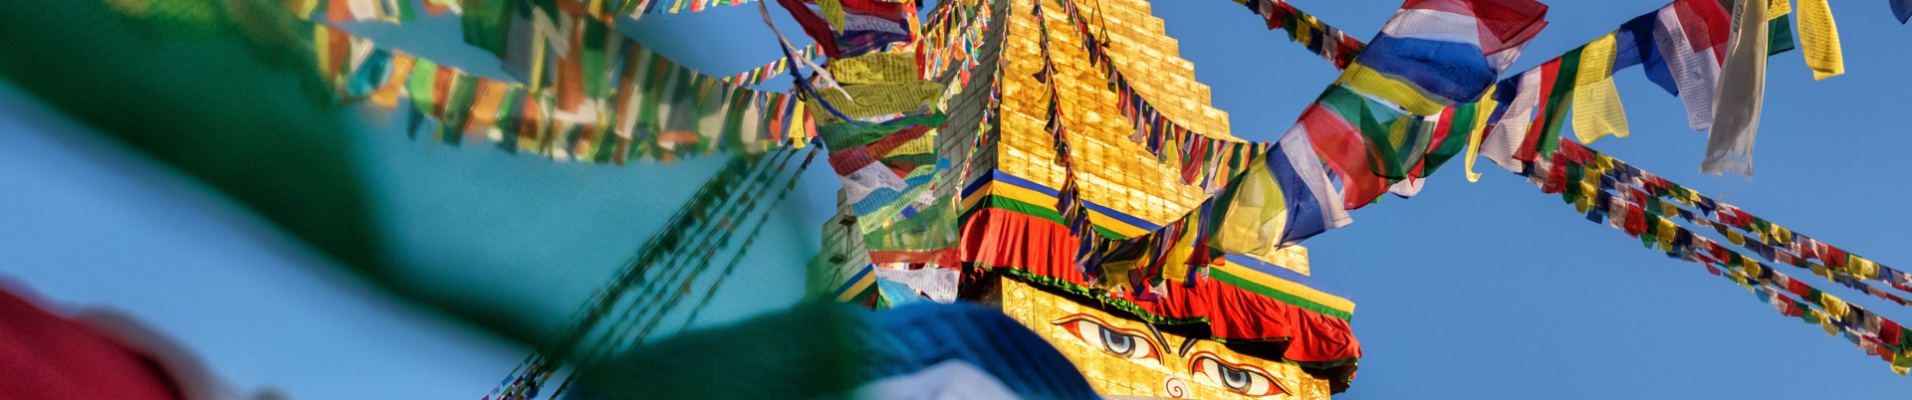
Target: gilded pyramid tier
x=1111 y=170
x=1141 y=48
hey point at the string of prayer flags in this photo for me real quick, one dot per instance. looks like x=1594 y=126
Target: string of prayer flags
x=1682 y=46
x=1326 y=41
x=1069 y=196
x=580 y=104
x=1566 y=172
x=1653 y=206
x=951 y=43
x=1901 y=9
x=881 y=126
x=919 y=228
x=1598 y=177
x=654 y=119
x=1599 y=112
x=1783 y=245
x=1867 y=330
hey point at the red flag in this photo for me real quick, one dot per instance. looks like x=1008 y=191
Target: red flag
x=814 y=26
x=1341 y=146
x=1529 y=149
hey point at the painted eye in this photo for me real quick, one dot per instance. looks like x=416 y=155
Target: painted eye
x=1124 y=343
x=1247 y=380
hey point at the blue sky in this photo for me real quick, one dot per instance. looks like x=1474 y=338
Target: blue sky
x=1484 y=290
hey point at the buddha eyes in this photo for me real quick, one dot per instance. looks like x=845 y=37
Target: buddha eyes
x=1205 y=367
x=1125 y=343
x=1244 y=379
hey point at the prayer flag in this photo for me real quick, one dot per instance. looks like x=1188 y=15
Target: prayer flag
x=1256 y=213
x=424 y=73
x=1820 y=35
x=1338 y=142
x=1477 y=131
x=813 y=25
x=1636 y=46
x=387 y=94
x=1450 y=135
x=1388 y=135
x=485 y=24
x=1435 y=53
x=371 y=73
x=1597 y=111
x=1729 y=146
x=1554 y=106
x=1685 y=41
x=1313 y=206
x=1512 y=129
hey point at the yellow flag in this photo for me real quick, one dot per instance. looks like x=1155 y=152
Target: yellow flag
x=387 y=96
x=1862 y=267
x=1834 y=307
x=832 y=11
x=1740 y=278
x=895 y=68
x=1596 y=101
x=798 y=136
x=1175 y=264
x=1303 y=30
x=1777 y=8
x=1256 y=216
x=1819 y=35
x=1479 y=129
x=1825 y=323
x=1375 y=84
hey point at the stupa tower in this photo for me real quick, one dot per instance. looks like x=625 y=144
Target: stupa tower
x=1247 y=326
